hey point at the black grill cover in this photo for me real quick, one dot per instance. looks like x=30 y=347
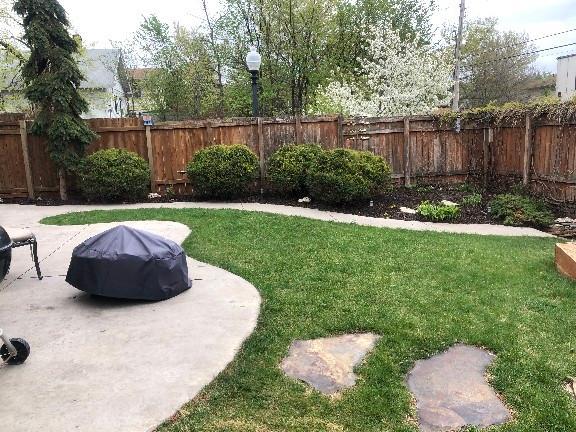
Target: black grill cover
x=128 y=263
x=5 y=253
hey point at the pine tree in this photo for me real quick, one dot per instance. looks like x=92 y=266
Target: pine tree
x=52 y=78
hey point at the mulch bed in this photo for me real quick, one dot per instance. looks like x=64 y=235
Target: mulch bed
x=386 y=206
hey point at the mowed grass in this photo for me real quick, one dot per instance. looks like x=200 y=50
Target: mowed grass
x=422 y=292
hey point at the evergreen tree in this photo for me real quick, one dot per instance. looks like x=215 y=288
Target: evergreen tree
x=52 y=81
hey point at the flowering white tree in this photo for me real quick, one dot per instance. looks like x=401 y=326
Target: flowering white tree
x=400 y=78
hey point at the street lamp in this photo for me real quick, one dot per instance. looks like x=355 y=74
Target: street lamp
x=253 y=61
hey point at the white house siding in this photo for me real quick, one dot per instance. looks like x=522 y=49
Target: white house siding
x=566 y=77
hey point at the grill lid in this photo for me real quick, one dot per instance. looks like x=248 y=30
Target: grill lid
x=5 y=240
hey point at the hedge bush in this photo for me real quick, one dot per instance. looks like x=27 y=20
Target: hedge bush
x=223 y=171
x=518 y=210
x=114 y=175
x=344 y=175
x=289 y=167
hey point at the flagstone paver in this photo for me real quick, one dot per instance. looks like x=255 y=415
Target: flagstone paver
x=327 y=364
x=451 y=391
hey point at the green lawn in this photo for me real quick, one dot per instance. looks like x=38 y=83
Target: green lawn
x=422 y=292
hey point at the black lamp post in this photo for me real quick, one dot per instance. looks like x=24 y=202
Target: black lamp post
x=253 y=61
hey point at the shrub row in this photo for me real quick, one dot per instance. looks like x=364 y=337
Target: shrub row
x=221 y=171
x=333 y=176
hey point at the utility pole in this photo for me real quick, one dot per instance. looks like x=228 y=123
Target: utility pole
x=456 y=97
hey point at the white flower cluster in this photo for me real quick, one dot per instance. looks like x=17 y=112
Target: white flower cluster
x=401 y=78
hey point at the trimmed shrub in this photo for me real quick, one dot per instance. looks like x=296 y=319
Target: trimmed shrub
x=114 y=175
x=343 y=175
x=437 y=211
x=518 y=210
x=223 y=171
x=289 y=167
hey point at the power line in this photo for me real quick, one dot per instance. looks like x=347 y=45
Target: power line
x=524 y=54
x=544 y=37
x=515 y=56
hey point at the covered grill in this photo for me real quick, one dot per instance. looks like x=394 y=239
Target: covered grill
x=5 y=253
x=128 y=263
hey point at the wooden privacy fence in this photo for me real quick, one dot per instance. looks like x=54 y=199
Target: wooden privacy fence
x=418 y=149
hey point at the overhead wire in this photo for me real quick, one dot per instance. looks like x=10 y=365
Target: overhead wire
x=516 y=56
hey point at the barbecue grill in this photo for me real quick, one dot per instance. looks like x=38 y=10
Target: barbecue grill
x=13 y=351
x=5 y=252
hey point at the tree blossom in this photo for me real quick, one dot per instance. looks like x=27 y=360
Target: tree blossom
x=400 y=78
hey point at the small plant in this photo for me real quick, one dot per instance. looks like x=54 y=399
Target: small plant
x=344 y=175
x=438 y=211
x=114 y=175
x=170 y=193
x=289 y=167
x=223 y=171
x=472 y=200
x=518 y=210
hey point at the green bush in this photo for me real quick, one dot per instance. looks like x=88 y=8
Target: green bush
x=223 y=171
x=114 y=175
x=518 y=210
x=343 y=175
x=438 y=211
x=472 y=199
x=289 y=166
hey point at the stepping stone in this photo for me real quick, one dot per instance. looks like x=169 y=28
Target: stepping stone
x=566 y=259
x=328 y=364
x=408 y=210
x=451 y=391
x=449 y=203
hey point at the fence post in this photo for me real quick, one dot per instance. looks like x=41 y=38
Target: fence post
x=150 y=159
x=407 y=161
x=26 y=157
x=209 y=132
x=340 y=131
x=488 y=134
x=298 y=126
x=528 y=144
x=262 y=152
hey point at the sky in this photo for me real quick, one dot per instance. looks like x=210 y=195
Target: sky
x=537 y=18
x=104 y=21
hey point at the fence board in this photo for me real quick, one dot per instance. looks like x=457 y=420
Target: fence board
x=436 y=152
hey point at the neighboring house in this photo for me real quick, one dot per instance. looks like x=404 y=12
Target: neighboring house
x=137 y=90
x=106 y=84
x=106 y=87
x=566 y=77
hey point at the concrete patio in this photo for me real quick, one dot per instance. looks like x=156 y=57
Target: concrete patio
x=104 y=365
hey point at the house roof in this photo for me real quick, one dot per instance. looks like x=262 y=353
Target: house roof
x=139 y=74
x=566 y=56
